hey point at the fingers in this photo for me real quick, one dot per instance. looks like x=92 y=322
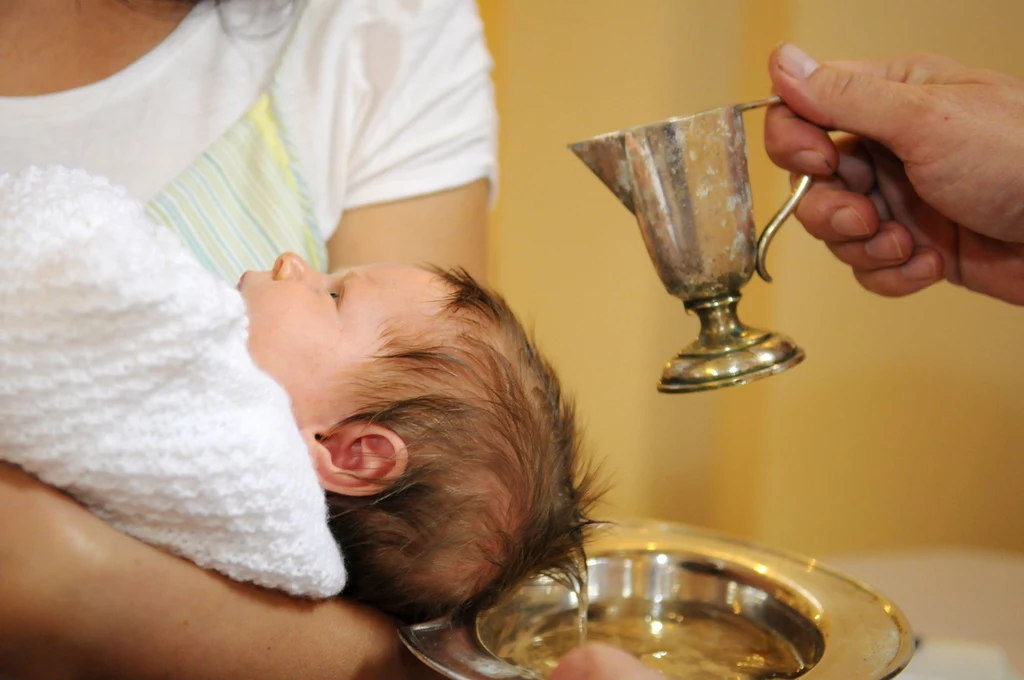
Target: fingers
x=787 y=134
x=599 y=662
x=882 y=253
x=797 y=145
x=856 y=166
x=874 y=99
x=800 y=147
x=836 y=216
x=857 y=102
x=891 y=246
x=921 y=271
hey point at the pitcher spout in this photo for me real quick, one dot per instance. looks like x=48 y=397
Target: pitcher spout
x=605 y=155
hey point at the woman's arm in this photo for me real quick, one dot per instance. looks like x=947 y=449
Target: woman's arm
x=81 y=600
x=447 y=229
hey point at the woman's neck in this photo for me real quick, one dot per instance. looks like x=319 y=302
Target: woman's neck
x=49 y=46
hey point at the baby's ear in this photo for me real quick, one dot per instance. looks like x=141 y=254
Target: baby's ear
x=357 y=459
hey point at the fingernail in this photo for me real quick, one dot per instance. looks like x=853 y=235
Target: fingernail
x=921 y=269
x=795 y=62
x=848 y=222
x=884 y=247
x=813 y=162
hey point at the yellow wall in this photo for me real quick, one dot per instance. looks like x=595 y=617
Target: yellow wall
x=904 y=426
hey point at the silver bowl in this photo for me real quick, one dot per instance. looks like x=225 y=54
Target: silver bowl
x=692 y=603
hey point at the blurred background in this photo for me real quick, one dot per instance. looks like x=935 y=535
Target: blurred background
x=905 y=425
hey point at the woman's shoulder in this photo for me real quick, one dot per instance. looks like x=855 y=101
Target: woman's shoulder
x=398 y=27
x=388 y=99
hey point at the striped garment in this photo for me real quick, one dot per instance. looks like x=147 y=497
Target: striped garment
x=243 y=202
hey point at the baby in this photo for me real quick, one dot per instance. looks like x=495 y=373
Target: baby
x=400 y=413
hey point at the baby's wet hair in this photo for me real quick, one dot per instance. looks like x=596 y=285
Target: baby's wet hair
x=495 y=490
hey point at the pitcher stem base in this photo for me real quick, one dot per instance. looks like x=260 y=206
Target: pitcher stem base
x=727 y=353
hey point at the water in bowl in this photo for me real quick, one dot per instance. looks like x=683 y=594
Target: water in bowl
x=688 y=641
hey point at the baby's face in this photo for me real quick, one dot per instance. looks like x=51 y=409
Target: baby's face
x=311 y=331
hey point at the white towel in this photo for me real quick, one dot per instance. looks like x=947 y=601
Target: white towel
x=125 y=380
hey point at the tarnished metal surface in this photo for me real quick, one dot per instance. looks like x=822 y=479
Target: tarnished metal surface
x=686 y=180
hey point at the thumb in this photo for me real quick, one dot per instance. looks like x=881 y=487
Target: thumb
x=846 y=97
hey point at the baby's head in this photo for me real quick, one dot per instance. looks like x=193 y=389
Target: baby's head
x=449 y=454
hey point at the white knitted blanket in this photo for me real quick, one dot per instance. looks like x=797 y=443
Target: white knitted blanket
x=125 y=380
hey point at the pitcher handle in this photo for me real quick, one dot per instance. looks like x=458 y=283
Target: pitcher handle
x=787 y=209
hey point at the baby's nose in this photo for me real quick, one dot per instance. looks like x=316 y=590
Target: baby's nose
x=289 y=266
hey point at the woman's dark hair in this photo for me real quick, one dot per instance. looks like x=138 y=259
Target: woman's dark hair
x=153 y=5
x=277 y=8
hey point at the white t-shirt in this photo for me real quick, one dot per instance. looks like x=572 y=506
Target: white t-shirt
x=387 y=99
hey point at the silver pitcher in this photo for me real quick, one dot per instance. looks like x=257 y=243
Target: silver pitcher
x=686 y=181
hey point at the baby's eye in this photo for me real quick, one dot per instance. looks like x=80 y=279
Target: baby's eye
x=336 y=296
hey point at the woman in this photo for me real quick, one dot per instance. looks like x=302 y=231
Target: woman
x=350 y=131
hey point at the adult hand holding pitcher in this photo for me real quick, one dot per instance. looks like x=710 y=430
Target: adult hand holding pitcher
x=686 y=180
x=923 y=183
